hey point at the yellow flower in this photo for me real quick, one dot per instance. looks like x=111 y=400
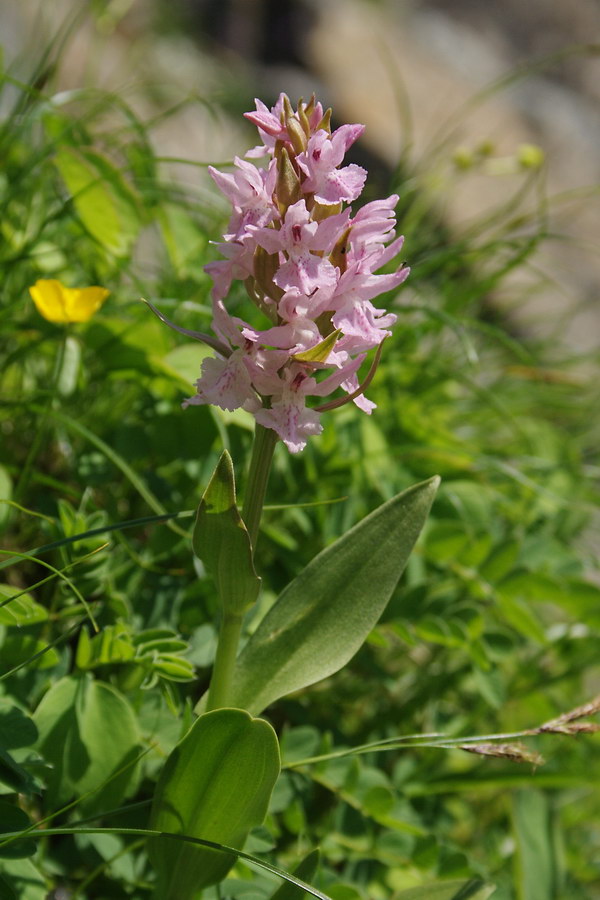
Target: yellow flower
x=58 y=303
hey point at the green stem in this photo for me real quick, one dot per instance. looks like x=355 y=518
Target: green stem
x=260 y=466
x=222 y=676
x=231 y=624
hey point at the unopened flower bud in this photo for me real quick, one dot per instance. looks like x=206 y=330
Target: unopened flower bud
x=297 y=134
x=303 y=114
x=288 y=188
x=295 y=131
x=325 y=123
x=265 y=267
x=338 y=255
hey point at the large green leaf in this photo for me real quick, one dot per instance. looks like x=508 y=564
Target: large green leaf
x=222 y=542
x=215 y=785
x=89 y=733
x=323 y=617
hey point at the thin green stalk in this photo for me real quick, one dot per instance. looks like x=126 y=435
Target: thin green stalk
x=231 y=624
x=260 y=466
x=220 y=683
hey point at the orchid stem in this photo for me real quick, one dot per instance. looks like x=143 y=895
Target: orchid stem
x=220 y=683
x=260 y=466
x=231 y=623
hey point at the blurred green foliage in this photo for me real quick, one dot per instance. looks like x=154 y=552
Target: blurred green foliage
x=107 y=639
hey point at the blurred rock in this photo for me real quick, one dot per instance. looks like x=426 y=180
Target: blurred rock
x=409 y=70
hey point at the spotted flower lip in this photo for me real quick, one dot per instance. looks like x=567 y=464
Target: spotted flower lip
x=320 y=162
x=61 y=305
x=310 y=263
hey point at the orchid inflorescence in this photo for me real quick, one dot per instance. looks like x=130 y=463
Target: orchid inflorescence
x=308 y=264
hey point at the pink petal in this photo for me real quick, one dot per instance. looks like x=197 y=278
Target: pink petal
x=361 y=327
x=306 y=272
x=333 y=381
x=292 y=421
x=344 y=136
x=350 y=385
x=341 y=184
x=224 y=382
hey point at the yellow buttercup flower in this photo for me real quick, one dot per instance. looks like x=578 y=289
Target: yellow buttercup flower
x=58 y=303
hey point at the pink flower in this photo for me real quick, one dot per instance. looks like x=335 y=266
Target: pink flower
x=288 y=414
x=225 y=383
x=249 y=188
x=300 y=239
x=320 y=162
x=314 y=275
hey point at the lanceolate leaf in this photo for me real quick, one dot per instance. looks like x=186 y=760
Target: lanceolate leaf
x=538 y=871
x=322 y=618
x=222 y=542
x=216 y=785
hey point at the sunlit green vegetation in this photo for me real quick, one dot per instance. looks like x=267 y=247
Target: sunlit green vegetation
x=107 y=638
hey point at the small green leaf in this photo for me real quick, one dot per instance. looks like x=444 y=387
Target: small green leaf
x=222 y=542
x=320 y=351
x=174 y=668
x=216 y=785
x=23 y=610
x=160 y=645
x=89 y=733
x=14 y=819
x=323 y=617
x=522 y=617
x=83 y=654
x=19 y=647
x=14 y=776
x=17 y=729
